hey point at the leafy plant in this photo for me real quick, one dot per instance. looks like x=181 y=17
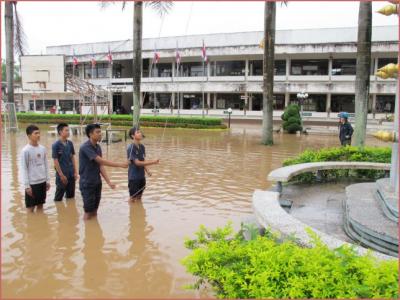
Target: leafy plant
x=265 y=267
x=291 y=119
x=367 y=154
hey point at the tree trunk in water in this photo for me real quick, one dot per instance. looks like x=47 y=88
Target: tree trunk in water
x=268 y=72
x=137 y=59
x=9 y=30
x=363 y=69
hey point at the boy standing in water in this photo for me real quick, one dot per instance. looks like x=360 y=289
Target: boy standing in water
x=35 y=170
x=63 y=153
x=91 y=165
x=136 y=154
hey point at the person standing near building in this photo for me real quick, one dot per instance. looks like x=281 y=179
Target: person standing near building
x=345 y=129
x=91 y=166
x=136 y=154
x=63 y=154
x=35 y=170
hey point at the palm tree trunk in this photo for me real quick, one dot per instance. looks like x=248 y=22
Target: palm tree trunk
x=268 y=72
x=137 y=58
x=9 y=30
x=363 y=68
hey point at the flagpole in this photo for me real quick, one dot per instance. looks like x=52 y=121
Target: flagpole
x=204 y=74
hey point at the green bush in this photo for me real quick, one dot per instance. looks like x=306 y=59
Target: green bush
x=126 y=120
x=367 y=154
x=266 y=268
x=291 y=119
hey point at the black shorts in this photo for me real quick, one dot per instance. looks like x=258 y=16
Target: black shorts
x=68 y=190
x=136 y=187
x=91 y=195
x=39 y=195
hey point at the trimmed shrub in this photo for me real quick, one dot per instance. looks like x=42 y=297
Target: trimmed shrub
x=368 y=154
x=265 y=267
x=126 y=120
x=291 y=119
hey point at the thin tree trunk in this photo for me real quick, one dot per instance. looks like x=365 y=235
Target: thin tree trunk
x=363 y=68
x=268 y=72
x=137 y=59
x=9 y=30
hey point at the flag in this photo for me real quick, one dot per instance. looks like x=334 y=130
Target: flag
x=204 y=53
x=109 y=56
x=178 y=58
x=74 y=59
x=93 y=60
x=156 y=57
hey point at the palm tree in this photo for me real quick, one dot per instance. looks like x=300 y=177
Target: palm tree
x=363 y=68
x=268 y=72
x=15 y=44
x=162 y=7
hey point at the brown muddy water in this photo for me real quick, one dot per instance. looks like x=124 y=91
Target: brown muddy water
x=134 y=250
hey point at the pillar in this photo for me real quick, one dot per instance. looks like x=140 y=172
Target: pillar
x=215 y=101
x=287 y=99
x=328 y=103
x=250 y=102
x=287 y=68
x=330 y=63
x=373 y=105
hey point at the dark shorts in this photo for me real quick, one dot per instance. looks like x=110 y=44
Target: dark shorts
x=39 y=195
x=61 y=189
x=91 y=195
x=136 y=187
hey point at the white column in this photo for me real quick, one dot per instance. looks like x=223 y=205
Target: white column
x=215 y=101
x=287 y=99
x=208 y=102
x=330 y=63
x=287 y=68
x=373 y=108
x=251 y=102
x=328 y=103
x=173 y=69
x=246 y=69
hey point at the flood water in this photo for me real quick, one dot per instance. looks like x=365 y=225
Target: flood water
x=134 y=250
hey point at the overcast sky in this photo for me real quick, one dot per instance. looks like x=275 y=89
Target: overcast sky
x=51 y=23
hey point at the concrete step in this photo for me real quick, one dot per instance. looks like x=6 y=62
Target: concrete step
x=365 y=221
x=386 y=196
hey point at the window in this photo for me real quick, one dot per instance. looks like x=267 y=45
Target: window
x=163 y=100
x=192 y=69
x=162 y=70
x=31 y=105
x=88 y=71
x=117 y=70
x=48 y=104
x=229 y=68
x=385 y=103
x=69 y=68
x=309 y=67
x=384 y=61
x=39 y=105
x=314 y=102
x=145 y=67
x=193 y=101
x=257 y=102
x=256 y=67
x=68 y=105
x=344 y=67
x=342 y=103
x=102 y=70
x=225 y=101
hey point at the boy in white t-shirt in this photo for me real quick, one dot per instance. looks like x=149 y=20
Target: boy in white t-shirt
x=34 y=170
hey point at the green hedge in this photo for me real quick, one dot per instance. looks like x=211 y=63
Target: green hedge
x=265 y=267
x=126 y=120
x=370 y=154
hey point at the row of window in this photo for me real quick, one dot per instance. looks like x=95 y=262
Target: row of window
x=315 y=102
x=230 y=68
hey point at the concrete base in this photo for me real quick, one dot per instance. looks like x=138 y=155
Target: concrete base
x=386 y=195
x=366 y=222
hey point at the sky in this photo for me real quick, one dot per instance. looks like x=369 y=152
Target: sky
x=52 y=23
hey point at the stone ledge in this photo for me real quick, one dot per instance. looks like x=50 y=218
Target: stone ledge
x=284 y=174
x=270 y=214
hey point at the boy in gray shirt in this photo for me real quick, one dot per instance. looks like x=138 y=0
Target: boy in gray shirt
x=34 y=170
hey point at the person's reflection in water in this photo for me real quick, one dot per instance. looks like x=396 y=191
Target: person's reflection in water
x=95 y=267
x=67 y=237
x=149 y=276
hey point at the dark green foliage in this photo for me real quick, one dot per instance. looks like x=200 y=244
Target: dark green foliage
x=291 y=119
x=368 y=154
x=126 y=120
x=266 y=268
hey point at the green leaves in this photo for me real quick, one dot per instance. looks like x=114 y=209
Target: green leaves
x=266 y=268
x=368 y=154
x=291 y=119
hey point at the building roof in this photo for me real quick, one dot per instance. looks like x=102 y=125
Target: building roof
x=283 y=37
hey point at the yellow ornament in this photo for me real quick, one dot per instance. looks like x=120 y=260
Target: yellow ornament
x=382 y=74
x=385 y=136
x=390 y=69
x=388 y=10
x=261 y=45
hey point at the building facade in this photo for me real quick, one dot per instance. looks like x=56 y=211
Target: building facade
x=320 y=62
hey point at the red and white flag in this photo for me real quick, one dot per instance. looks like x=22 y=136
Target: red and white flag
x=109 y=57
x=178 y=58
x=74 y=59
x=156 y=57
x=93 y=61
x=204 y=53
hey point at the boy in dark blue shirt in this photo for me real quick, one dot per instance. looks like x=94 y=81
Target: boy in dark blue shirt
x=91 y=166
x=63 y=153
x=136 y=154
